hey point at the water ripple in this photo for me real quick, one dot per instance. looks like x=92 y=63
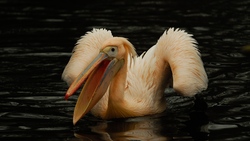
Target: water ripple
x=37 y=39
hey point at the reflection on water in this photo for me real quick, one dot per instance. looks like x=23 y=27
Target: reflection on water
x=36 y=38
x=181 y=125
x=134 y=129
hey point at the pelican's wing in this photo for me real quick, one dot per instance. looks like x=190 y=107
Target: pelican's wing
x=179 y=50
x=86 y=48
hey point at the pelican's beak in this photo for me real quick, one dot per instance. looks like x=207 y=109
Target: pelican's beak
x=99 y=74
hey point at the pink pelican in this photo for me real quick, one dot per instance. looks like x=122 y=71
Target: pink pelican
x=120 y=84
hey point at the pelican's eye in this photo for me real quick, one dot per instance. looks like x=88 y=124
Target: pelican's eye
x=111 y=51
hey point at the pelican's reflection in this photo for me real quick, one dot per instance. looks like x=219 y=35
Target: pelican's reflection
x=140 y=128
x=165 y=126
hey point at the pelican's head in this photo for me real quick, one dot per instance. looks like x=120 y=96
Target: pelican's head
x=99 y=74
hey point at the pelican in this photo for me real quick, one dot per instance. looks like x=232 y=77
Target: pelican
x=118 y=83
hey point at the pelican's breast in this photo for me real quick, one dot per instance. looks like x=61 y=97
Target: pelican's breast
x=145 y=84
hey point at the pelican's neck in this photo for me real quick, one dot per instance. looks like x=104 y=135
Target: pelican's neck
x=117 y=86
x=116 y=94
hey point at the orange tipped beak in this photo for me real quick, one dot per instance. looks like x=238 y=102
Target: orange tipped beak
x=98 y=76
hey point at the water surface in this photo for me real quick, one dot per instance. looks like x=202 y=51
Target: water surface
x=36 y=40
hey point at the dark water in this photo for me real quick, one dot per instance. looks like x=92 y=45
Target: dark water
x=36 y=38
